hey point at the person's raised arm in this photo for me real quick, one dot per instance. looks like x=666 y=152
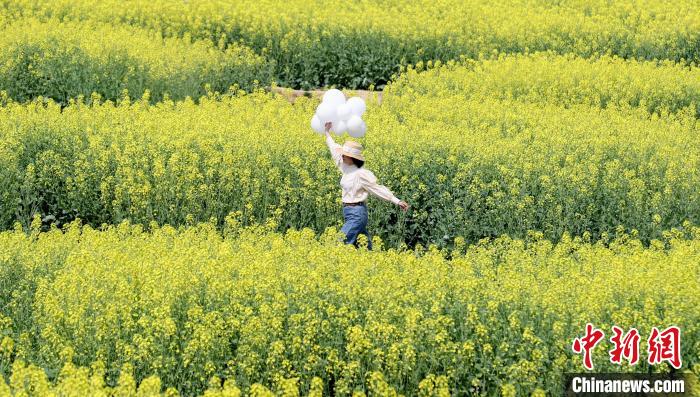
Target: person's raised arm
x=336 y=150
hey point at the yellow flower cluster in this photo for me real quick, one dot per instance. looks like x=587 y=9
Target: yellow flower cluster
x=657 y=86
x=549 y=149
x=355 y=44
x=63 y=60
x=189 y=311
x=470 y=166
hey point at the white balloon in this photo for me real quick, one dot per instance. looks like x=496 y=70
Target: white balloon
x=360 y=132
x=334 y=96
x=335 y=122
x=340 y=127
x=354 y=124
x=317 y=125
x=326 y=112
x=358 y=105
x=344 y=111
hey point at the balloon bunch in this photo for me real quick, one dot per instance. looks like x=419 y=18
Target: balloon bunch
x=345 y=116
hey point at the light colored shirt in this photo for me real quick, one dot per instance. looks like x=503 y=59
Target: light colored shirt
x=357 y=183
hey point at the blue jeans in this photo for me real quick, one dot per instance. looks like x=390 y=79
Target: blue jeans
x=355 y=224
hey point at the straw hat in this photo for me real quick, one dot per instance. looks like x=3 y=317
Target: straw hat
x=353 y=149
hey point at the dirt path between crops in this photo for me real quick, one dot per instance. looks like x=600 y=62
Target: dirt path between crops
x=292 y=95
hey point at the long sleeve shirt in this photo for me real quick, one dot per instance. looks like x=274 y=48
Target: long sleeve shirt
x=357 y=183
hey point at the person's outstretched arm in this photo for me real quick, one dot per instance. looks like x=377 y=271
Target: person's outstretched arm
x=369 y=183
x=336 y=150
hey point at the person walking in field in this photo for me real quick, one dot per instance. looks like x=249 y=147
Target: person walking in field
x=357 y=183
